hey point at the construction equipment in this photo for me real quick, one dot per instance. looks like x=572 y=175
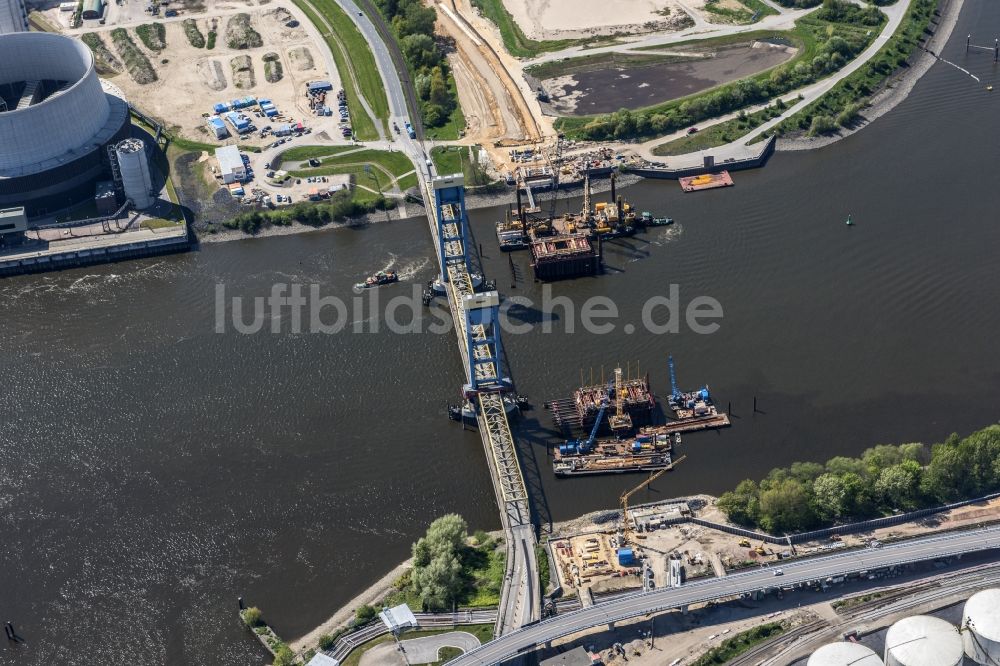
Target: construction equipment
x=587 y=444
x=588 y=214
x=619 y=421
x=744 y=543
x=627 y=531
x=676 y=397
x=760 y=549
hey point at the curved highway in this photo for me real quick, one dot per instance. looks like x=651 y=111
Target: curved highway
x=645 y=603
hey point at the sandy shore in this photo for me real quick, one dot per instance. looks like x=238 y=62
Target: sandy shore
x=342 y=616
x=895 y=89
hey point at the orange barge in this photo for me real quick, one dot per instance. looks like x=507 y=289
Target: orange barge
x=706 y=181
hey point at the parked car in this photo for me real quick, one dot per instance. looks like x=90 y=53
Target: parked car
x=692 y=130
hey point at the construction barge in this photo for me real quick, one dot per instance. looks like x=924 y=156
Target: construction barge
x=650 y=449
x=581 y=410
x=706 y=181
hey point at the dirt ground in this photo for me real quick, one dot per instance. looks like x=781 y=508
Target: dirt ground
x=608 y=89
x=586 y=558
x=192 y=80
x=560 y=19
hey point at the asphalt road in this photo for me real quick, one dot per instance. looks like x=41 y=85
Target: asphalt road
x=645 y=603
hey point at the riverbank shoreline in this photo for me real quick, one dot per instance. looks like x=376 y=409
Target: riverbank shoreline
x=472 y=202
x=895 y=89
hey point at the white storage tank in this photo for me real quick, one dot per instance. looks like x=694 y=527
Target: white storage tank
x=923 y=640
x=981 y=624
x=134 y=167
x=844 y=654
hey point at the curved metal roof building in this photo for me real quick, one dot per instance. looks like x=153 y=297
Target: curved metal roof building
x=56 y=118
x=13 y=16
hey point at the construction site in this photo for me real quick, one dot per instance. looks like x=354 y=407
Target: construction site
x=219 y=55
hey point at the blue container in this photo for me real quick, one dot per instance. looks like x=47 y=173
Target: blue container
x=221 y=108
x=636 y=447
x=626 y=557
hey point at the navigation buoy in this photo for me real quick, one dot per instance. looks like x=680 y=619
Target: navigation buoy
x=849 y=222
x=989 y=87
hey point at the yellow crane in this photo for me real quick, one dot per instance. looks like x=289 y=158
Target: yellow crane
x=619 y=421
x=626 y=528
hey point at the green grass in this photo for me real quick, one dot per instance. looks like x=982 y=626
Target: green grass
x=718 y=134
x=446 y=654
x=347 y=39
x=740 y=643
x=851 y=602
x=484 y=632
x=159 y=223
x=450 y=159
x=514 y=39
x=393 y=163
x=153 y=35
x=452 y=129
x=846 y=98
x=301 y=153
x=193 y=34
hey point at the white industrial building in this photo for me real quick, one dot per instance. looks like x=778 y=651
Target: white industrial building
x=844 y=654
x=13 y=16
x=231 y=164
x=981 y=621
x=923 y=640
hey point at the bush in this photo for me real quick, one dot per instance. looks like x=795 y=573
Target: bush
x=193 y=34
x=137 y=64
x=153 y=35
x=252 y=616
x=364 y=614
x=326 y=642
x=211 y=39
x=240 y=34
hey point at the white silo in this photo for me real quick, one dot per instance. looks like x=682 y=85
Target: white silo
x=981 y=624
x=923 y=640
x=134 y=167
x=844 y=654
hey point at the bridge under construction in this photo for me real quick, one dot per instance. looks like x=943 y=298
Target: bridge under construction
x=477 y=326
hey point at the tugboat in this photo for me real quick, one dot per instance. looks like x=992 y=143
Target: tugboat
x=650 y=221
x=381 y=278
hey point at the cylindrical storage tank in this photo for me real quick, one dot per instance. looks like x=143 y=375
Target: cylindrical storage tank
x=844 y=654
x=923 y=640
x=134 y=167
x=981 y=621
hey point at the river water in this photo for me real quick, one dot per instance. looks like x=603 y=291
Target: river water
x=154 y=470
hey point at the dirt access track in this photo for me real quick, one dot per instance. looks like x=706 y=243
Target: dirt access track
x=190 y=80
x=496 y=108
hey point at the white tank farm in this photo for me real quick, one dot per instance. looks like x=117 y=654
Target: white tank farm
x=981 y=623
x=923 y=640
x=136 y=180
x=844 y=654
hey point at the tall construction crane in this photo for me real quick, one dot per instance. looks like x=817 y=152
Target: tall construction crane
x=554 y=165
x=676 y=397
x=627 y=530
x=619 y=421
x=588 y=214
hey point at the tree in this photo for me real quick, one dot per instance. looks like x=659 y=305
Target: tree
x=438 y=583
x=449 y=531
x=785 y=507
x=364 y=614
x=841 y=465
x=283 y=656
x=742 y=505
x=830 y=499
x=420 y=50
x=896 y=486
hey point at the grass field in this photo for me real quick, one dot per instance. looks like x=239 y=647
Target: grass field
x=450 y=159
x=484 y=632
x=718 y=135
x=740 y=643
x=383 y=163
x=300 y=153
x=355 y=57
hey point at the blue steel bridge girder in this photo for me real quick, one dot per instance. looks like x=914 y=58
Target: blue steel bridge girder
x=482 y=337
x=452 y=222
